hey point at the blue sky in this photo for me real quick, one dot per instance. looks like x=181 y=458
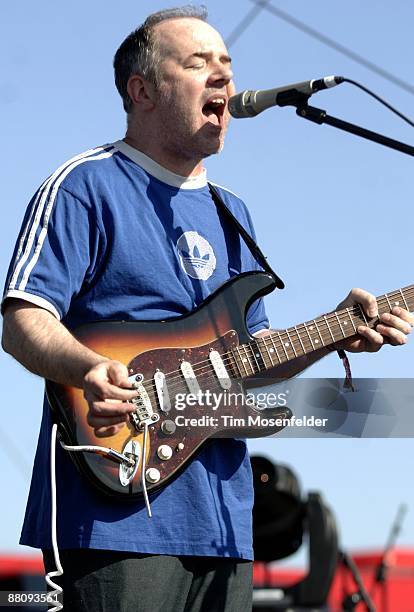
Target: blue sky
x=331 y=211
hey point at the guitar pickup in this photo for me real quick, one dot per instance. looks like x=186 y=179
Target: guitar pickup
x=190 y=378
x=162 y=391
x=220 y=369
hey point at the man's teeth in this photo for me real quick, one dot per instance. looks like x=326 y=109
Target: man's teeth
x=217 y=101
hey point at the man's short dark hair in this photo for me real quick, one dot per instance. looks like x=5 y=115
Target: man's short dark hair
x=139 y=53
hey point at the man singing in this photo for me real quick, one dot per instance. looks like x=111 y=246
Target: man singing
x=114 y=234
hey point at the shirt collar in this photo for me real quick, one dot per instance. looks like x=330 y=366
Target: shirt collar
x=158 y=171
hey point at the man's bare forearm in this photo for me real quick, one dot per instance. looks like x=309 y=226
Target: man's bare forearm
x=44 y=346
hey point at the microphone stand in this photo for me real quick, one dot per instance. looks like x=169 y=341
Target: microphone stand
x=381 y=572
x=361 y=595
x=319 y=116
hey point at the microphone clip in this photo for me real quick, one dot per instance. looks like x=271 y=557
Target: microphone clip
x=293 y=98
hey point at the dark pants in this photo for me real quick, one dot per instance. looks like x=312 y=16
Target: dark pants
x=108 y=581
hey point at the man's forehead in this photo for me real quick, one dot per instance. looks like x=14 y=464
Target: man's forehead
x=185 y=36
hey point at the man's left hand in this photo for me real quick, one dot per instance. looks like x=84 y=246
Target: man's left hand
x=393 y=327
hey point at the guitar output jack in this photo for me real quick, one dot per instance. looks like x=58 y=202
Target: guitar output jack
x=127 y=472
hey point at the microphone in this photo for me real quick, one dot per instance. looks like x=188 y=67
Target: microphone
x=250 y=103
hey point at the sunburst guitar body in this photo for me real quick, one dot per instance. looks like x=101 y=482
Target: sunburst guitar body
x=170 y=359
x=174 y=365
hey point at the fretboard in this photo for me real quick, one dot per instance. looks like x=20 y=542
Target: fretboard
x=285 y=345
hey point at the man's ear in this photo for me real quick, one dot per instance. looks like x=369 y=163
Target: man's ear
x=141 y=92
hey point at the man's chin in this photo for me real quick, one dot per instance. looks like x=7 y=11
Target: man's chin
x=221 y=147
x=215 y=151
x=209 y=141
x=214 y=145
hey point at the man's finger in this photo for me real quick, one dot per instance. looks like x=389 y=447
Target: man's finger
x=106 y=380
x=395 y=336
x=118 y=374
x=396 y=321
x=373 y=338
x=110 y=408
x=104 y=390
x=404 y=314
x=366 y=300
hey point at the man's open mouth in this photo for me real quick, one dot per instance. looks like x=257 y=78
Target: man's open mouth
x=214 y=109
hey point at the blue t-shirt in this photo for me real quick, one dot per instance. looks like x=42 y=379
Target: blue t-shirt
x=113 y=235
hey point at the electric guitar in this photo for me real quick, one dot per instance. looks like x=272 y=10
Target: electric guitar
x=175 y=365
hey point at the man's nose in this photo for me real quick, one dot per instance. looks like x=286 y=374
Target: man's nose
x=222 y=73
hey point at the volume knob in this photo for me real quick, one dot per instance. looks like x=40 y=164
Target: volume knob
x=152 y=475
x=164 y=452
x=168 y=427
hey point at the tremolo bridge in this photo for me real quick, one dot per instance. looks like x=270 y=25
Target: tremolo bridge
x=143 y=413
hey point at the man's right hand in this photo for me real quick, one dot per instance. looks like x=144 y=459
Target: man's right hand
x=107 y=389
x=44 y=346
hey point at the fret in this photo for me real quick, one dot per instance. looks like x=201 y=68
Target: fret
x=361 y=310
x=291 y=343
x=237 y=371
x=265 y=352
x=409 y=297
x=300 y=340
x=396 y=303
x=343 y=322
x=243 y=361
x=310 y=337
x=404 y=300
x=275 y=348
x=317 y=329
x=247 y=358
x=269 y=352
x=254 y=357
x=329 y=329
x=283 y=346
x=340 y=325
x=259 y=355
x=351 y=319
x=388 y=301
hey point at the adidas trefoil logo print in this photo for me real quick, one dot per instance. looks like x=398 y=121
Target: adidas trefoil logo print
x=196 y=255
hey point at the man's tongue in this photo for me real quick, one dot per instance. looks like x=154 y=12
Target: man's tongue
x=211 y=114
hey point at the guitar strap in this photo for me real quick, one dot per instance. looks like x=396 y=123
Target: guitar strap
x=262 y=260
x=251 y=244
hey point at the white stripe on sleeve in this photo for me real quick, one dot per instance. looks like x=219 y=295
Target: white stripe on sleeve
x=36 y=212
x=52 y=197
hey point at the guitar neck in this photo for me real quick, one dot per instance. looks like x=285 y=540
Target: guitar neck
x=285 y=345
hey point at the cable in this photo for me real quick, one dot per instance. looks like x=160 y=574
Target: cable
x=59 y=569
x=264 y=4
x=143 y=471
x=101 y=450
x=245 y=23
x=300 y=25
x=120 y=458
x=110 y=453
x=379 y=99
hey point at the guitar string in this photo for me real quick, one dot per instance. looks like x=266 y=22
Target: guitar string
x=268 y=341
x=180 y=385
x=283 y=333
x=233 y=362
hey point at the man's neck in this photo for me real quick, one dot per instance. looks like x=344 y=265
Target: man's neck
x=180 y=166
